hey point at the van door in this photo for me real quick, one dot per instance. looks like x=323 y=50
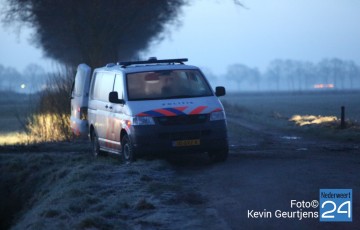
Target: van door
x=117 y=112
x=101 y=107
x=80 y=100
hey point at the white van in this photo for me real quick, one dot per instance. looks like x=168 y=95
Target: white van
x=155 y=106
x=79 y=101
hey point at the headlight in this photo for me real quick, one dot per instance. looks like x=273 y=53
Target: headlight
x=217 y=116
x=143 y=121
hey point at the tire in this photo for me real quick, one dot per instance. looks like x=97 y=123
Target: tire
x=127 y=150
x=95 y=144
x=219 y=156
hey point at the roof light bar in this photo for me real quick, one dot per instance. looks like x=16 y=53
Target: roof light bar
x=153 y=61
x=109 y=65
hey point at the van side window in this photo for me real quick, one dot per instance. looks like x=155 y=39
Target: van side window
x=103 y=85
x=119 y=85
x=96 y=86
x=92 y=86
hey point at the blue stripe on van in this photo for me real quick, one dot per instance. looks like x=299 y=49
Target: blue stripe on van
x=154 y=113
x=173 y=110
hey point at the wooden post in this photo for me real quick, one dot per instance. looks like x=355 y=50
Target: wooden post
x=342 y=124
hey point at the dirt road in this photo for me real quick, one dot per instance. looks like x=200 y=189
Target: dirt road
x=269 y=168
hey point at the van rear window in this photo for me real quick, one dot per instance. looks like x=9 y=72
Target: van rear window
x=167 y=84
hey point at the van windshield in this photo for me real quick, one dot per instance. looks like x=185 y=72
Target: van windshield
x=167 y=84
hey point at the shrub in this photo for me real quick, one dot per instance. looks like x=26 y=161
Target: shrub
x=51 y=119
x=49 y=127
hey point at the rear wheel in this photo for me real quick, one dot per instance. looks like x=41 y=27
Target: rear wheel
x=95 y=144
x=128 y=152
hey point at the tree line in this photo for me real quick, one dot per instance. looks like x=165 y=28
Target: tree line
x=292 y=75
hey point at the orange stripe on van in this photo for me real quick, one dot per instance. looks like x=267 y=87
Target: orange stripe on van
x=175 y=111
x=142 y=115
x=165 y=112
x=181 y=108
x=217 y=110
x=198 y=110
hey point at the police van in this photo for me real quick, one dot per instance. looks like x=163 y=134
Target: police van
x=79 y=101
x=155 y=106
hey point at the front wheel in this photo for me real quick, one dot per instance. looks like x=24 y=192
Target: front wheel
x=128 y=152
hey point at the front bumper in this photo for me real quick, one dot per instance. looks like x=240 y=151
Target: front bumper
x=211 y=136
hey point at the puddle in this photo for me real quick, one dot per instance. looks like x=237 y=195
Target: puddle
x=290 y=137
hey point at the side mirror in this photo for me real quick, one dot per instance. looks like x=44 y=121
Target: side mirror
x=220 y=91
x=114 y=98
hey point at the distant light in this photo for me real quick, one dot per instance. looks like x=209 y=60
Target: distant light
x=22 y=86
x=324 y=86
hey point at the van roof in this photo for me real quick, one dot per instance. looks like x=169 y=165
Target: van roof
x=151 y=65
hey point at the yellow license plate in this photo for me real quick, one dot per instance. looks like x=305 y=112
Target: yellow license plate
x=186 y=143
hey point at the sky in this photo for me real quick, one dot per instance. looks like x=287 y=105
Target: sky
x=215 y=34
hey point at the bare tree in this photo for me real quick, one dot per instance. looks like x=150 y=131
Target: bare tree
x=332 y=71
x=309 y=74
x=352 y=71
x=238 y=73
x=275 y=72
x=337 y=66
x=255 y=77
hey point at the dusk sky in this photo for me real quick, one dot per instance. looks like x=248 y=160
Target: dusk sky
x=215 y=34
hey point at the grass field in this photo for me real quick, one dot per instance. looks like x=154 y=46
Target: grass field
x=20 y=124
x=286 y=104
x=65 y=187
x=276 y=109
x=15 y=108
